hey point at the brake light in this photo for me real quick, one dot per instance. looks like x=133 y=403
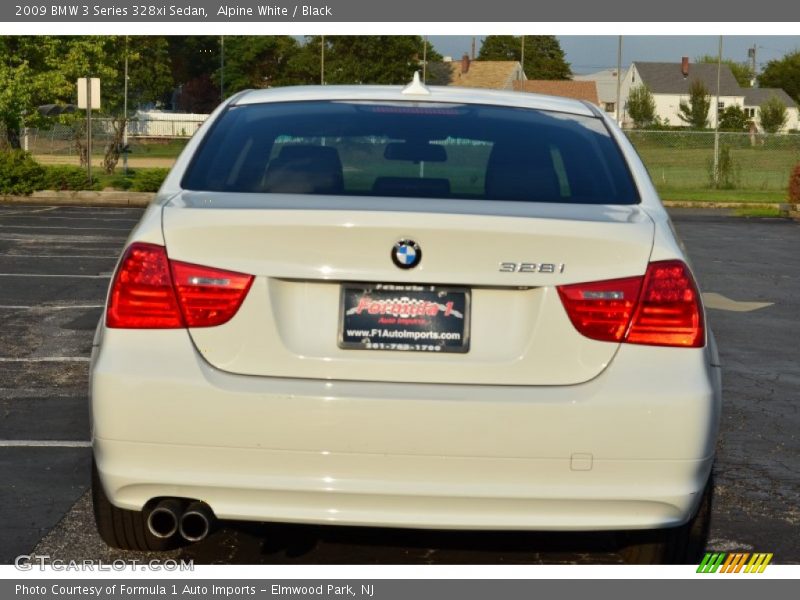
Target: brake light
x=151 y=292
x=663 y=308
x=141 y=295
x=670 y=311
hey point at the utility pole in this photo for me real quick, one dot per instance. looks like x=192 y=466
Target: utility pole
x=322 y=60
x=425 y=59
x=751 y=54
x=89 y=127
x=221 y=68
x=716 y=125
x=473 y=48
x=618 y=112
x=125 y=115
x=522 y=55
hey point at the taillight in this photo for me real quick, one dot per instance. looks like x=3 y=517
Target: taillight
x=142 y=296
x=663 y=308
x=208 y=296
x=670 y=312
x=601 y=310
x=152 y=292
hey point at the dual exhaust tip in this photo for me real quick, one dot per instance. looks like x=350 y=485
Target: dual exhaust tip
x=171 y=516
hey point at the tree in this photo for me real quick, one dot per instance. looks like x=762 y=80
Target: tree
x=741 y=70
x=193 y=60
x=36 y=70
x=15 y=97
x=695 y=111
x=773 y=115
x=356 y=59
x=784 y=74
x=149 y=71
x=733 y=119
x=641 y=106
x=544 y=58
x=259 y=61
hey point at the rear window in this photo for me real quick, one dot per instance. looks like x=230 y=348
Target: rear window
x=411 y=149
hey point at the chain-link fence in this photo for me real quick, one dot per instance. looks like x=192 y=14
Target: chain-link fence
x=150 y=142
x=676 y=160
x=685 y=159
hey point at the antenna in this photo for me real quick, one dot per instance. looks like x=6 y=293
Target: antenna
x=416 y=87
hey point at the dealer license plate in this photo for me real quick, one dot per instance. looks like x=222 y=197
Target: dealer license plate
x=407 y=318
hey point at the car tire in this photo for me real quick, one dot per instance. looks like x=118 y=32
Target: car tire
x=675 y=545
x=121 y=528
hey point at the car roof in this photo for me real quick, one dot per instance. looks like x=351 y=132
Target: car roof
x=387 y=93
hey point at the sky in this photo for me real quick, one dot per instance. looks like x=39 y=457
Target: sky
x=587 y=54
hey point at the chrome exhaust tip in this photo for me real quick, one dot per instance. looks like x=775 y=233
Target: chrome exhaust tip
x=196 y=522
x=163 y=520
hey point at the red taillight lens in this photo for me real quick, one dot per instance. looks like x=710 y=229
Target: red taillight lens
x=670 y=312
x=601 y=310
x=141 y=295
x=663 y=308
x=152 y=292
x=208 y=296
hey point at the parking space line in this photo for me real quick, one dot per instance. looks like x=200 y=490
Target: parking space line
x=48 y=217
x=40 y=227
x=28 y=212
x=45 y=444
x=59 y=255
x=27 y=238
x=41 y=359
x=53 y=275
x=50 y=307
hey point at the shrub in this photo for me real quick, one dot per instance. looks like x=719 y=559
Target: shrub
x=121 y=182
x=148 y=180
x=19 y=173
x=727 y=170
x=794 y=185
x=773 y=115
x=65 y=177
x=641 y=106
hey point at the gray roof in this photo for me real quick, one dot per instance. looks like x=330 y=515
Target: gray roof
x=606 y=83
x=757 y=96
x=667 y=78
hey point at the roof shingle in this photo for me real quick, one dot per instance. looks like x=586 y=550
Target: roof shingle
x=491 y=74
x=757 y=96
x=667 y=78
x=579 y=90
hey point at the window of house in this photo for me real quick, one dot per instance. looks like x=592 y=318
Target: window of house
x=609 y=106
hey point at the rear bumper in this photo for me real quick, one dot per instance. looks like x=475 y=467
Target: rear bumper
x=630 y=449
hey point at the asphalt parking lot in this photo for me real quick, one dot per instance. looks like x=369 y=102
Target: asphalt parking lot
x=55 y=263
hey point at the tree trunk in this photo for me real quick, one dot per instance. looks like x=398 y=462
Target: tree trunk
x=114 y=146
x=12 y=136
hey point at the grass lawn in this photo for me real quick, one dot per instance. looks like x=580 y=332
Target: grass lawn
x=704 y=194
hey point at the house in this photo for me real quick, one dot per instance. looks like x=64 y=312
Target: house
x=579 y=90
x=606 y=82
x=669 y=83
x=492 y=74
x=755 y=97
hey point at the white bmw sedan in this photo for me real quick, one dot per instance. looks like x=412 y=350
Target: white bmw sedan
x=409 y=307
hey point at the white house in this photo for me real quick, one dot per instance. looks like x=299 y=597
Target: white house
x=755 y=97
x=670 y=82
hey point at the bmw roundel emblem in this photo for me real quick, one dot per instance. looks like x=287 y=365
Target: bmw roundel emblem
x=406 y=254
